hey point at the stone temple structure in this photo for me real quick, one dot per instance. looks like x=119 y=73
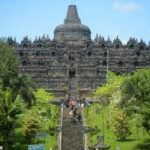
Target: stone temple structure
x=72 y=63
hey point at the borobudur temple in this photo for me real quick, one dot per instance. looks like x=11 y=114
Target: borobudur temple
x=72 y=63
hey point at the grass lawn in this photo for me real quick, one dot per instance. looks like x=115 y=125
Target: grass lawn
x=96 y=118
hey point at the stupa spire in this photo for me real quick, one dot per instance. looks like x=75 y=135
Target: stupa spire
x=72 y=15
x=72 y=31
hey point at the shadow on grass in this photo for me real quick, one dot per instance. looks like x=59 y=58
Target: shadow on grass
x=127 y=140
x=143 y=146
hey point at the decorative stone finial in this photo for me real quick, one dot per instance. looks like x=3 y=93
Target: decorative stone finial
x=72 y=15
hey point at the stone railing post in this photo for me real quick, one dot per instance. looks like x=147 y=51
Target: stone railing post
x=85 y=135
x=60 y=131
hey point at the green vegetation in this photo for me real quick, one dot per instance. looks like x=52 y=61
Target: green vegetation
x=8 y=114
x=42 y=118
x=99 y=121
x=122 y=111
x=25 y=111
x=136 y=96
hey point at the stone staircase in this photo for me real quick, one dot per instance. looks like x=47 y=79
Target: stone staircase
x=73 y=91
x=72 y=135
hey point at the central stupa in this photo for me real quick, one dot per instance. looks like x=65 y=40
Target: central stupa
x=72 y=30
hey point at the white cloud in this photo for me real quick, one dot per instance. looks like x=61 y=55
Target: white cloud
x=126 y=7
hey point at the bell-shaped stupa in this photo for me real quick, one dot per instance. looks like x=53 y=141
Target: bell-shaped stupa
x=72 y=30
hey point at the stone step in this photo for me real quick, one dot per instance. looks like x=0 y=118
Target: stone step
x=72 y=135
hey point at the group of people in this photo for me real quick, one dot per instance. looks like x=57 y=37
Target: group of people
x=73 y=106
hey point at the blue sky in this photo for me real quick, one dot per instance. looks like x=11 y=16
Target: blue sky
x=126 y=18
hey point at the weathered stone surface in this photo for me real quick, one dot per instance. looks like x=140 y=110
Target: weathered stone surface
x=72 y=31
x=77 y=66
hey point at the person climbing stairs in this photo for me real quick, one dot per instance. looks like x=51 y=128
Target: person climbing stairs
x=72 y=133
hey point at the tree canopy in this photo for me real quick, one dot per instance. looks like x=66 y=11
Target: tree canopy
x=8 y=63
x=130 y=93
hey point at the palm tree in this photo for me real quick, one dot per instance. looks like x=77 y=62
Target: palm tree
x=9 y=111
x=8 y=62
x=23 y=85
x=10 y=78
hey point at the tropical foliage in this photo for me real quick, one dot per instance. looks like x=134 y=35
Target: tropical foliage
x=22 y=106
x=118 y=123
x=31 y=128
x=136 y=94
x=9 y=112
x=126 y=99
x=8 y=64
x=109 y=91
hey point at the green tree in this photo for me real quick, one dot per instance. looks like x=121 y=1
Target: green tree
x=10 y=77
x=14 y=89
x=9 y=112
x=146 y=116
x=23 y=85
x=31 y=127
x=108 y=90
x=44 y=115
x=48 y=111
x=136 y=92
x=109 y=96
x=43 y=96
x=136 y=87
x=118 y=123
x=8 y=63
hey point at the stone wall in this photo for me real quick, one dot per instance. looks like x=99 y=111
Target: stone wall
x=53 y=65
